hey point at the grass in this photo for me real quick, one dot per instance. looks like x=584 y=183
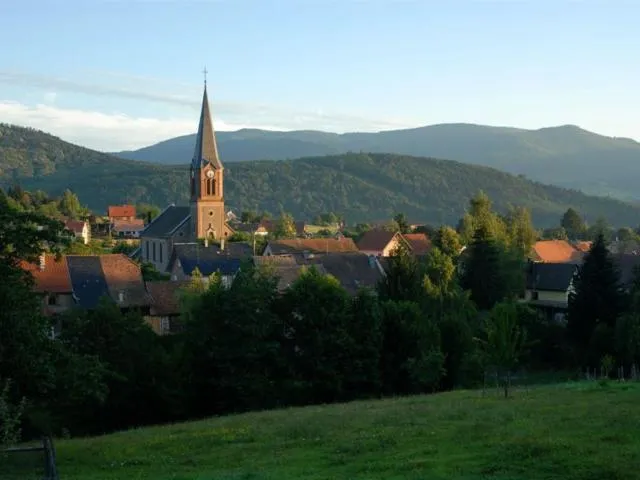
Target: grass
x=585 y=431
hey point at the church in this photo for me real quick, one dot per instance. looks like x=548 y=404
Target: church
x=205 y=217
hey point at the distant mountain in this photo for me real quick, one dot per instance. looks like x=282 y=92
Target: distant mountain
x=567 y=155
x=363 y=187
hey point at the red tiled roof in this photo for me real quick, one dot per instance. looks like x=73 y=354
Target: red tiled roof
x=54 y=278
x=556 y=251
x=116 y=211
x=376 y=240
x=165 y=297
x=418 y=242
x=583 y=246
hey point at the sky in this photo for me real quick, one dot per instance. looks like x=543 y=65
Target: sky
x=115 y=75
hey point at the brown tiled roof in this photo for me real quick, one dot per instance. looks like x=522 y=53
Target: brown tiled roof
x=165 y=297
x=116 y=211
x=375 y=239
x=418 y=242
x=556 y=251
x=75 y=226
x=136 y=224
x=54 y=278
x=124 y=275
x=316 y=245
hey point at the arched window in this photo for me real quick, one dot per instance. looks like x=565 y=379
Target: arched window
x=213 y=188
x=209 y=187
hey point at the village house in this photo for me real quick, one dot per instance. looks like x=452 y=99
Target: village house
x=224 y=259
x=84 y=279
x=128 y=228
x=80 y=230
x=419 y=243
x=53 y=284
x=122 y=213
x=310 y=245
x=555 y=251
x=548 y=286
x=164 y=310
x=380 y=243
x=354 y=270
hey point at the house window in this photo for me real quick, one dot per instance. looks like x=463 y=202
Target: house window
x=161 y=253
x=153 y=255
x=52 y=300
x=164 y=324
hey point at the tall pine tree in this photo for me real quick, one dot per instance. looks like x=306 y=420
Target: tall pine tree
x=484 y=271
x=595 y=304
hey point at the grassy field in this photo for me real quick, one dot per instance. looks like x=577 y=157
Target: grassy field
x=572 y=431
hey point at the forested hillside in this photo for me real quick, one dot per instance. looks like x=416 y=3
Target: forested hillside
x=363 y=187
x=566 y=155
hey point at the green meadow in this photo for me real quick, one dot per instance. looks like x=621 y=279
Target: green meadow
x=586 y=431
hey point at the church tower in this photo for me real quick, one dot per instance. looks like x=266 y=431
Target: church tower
x=207 y=181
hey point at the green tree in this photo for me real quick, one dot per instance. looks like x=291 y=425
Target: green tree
x=404 y=276
x=69 y=205
x=285 y=227
x=10 y=417
x=233 y=345
x=484 y=271
x=600 y=227
x=596 y=300
x=140 y=382
x=573 y=224
x=504 y=340
x=401 y=221
x=555 y=233
x=448 y=240
x=411 y=359
x=147 y=212
x=627 y=329
x=317 y=317
x=522 y=235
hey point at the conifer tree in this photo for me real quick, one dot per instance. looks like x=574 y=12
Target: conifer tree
x=484 y=273
x=595 y=303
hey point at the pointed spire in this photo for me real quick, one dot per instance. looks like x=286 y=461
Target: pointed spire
x=206 y=149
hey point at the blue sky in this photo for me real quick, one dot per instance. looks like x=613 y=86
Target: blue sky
x=123 y=74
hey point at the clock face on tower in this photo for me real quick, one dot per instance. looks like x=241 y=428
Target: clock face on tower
x=210 y=174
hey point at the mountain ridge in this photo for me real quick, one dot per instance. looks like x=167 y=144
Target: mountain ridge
x=564 y=155
x=361 y=186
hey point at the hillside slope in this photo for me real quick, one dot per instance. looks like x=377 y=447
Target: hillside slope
x=363 y=187
x=565 y=155
x=580 y=431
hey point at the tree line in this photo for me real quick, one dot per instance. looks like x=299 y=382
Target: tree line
x=435 y=323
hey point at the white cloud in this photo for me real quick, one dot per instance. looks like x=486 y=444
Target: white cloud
x=103 y=131
x=189 y=98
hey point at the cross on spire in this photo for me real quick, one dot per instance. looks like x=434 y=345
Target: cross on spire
x=205 y=75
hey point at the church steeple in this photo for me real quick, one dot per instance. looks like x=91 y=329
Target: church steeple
x=206 y=151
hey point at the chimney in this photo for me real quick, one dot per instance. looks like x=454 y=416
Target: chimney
x=42 y=263
x=222 y=244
